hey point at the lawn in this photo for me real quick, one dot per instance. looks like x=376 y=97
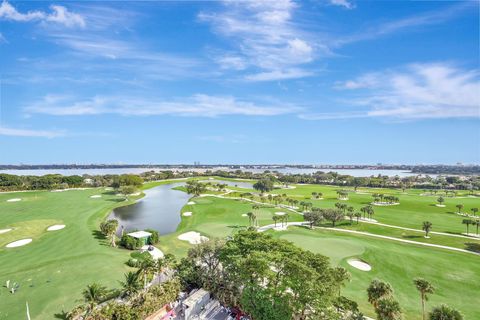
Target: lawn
x=54 y=268
x=455 y=275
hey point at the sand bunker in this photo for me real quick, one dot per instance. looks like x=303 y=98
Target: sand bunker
x=440 y=205
x=193 y=237
x=18 y=243
x=385 y=204
x=190 y=202
x=359 y=264
x=280 y=213
x=96 y=196
x=5 y=230
x=187 y=214
x=56 y=227
x=14 y=200
x=244 y=215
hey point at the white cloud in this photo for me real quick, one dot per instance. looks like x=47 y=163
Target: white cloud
x=419 y=91
x=59 y=15
x=343 y=3
x=266 y=39
x=279 y=75
x=199 y=105
x=6 y=131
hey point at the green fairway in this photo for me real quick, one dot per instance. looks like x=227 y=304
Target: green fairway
x=455 y=275
x=57 y=265
x=53 y=269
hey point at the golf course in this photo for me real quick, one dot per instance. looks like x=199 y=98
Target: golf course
x=51 y=270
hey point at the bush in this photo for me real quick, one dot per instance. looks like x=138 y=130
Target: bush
x=134 y=263
x=131 y=243
x=154 y=237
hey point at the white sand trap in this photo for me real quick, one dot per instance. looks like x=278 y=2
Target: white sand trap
x=440 y=205
x=280 y=228
x=14 y=200
x=18 y=243
x=360 y=265
x=187 y=214
x=56 y=227
x=244 y=215
x=96 y=196
x=280 y=213
x=190 y=202
x=192 y=237
x=5 y=230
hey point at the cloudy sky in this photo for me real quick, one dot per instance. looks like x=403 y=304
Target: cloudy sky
x=320 y=81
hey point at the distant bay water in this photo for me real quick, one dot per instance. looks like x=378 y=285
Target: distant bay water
x=69 y=172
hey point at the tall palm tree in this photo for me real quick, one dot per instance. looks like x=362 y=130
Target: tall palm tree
x=93 y=295
x=459 y=207
x=147 y=267
x=477 y=224
x=427 y=226
x=358 y=215
x=250 y=215
x=474 y=210
x=440 y=200
x=424 y=287
x=377 y=290
x=467 y=222
x=275 y=219
x=131 y=285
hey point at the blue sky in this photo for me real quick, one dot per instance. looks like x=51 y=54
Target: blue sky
x=331 y=81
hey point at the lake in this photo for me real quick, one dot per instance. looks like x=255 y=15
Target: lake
x=159 y=209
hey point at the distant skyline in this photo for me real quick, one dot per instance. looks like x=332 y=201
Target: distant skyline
x=240 y=82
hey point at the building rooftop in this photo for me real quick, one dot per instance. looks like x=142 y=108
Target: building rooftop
x=195 y=297
x=139 y=234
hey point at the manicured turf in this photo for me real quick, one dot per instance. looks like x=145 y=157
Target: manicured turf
x=455 y=275
x=56 y=266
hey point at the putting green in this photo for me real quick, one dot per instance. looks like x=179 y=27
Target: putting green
x=335 y=249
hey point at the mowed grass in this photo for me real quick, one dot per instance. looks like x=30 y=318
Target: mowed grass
x=411 y=212
x=56 y=266
x=217 y=218
x=455 y=275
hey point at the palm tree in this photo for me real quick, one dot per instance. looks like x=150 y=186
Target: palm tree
x=378 y=290
x=427 y=226
x=250 y=216
x=93 y=295
x=358 y=215
x=459 y=207
x=424 y=287
x=388 y=309
x=444 y=312
x=275 y=219
x=474 y=210
x=147 y=266
x=467 y=222
x=131 y=285
x=477 y=224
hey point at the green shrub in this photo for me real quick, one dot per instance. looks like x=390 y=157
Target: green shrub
x=131 y=243
x=154 y=237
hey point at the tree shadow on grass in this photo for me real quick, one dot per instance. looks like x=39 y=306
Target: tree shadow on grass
x=237 y=227
x=411 y=236
x=471 y=246
x=102 y=239
x=61 y=315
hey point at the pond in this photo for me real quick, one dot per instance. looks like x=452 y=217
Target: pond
x=160 y=208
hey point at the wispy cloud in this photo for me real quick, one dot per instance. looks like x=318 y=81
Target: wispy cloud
x=418 y=91
x=59 y=15
x=199 y=105
x=15 y=132
x=406 y=23
x=343 y=3
x=268 y=44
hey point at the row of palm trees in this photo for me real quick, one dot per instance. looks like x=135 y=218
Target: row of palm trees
x=471 y=222
x=380 y=198
x=461 y=206
x=381 y=296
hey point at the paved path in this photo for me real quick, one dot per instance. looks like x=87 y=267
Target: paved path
x=399 y=240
